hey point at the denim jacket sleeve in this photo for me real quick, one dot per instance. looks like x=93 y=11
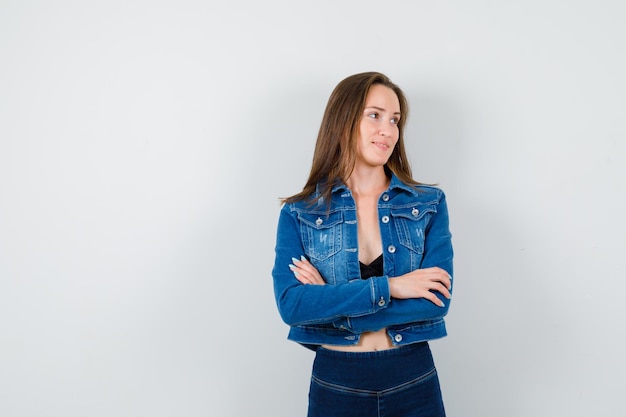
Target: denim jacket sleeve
x=300 y=304
x=437 y=252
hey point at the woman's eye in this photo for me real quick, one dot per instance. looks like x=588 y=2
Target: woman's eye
x=395 y=120
x=373 y=115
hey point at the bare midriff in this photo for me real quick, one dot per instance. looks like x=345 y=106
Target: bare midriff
x=369 y=342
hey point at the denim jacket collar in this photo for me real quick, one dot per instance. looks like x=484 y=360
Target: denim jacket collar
x=395 y=183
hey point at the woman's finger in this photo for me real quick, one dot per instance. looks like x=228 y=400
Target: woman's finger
x=306 y=272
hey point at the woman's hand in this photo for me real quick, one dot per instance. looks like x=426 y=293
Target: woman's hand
x=421 y=283
x=305 y=272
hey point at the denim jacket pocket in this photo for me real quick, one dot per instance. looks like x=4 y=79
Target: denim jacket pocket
x=411 y=223
x=321 y=234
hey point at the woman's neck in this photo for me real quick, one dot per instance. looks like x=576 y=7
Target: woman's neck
x=368 y=181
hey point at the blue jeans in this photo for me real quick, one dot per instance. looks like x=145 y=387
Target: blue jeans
x=399 y=382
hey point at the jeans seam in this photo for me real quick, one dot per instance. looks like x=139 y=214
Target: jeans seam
x=372 y=393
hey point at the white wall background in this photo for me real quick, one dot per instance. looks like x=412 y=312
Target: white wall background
x=144 y=145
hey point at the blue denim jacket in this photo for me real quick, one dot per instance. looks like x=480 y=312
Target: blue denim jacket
x=415 y=234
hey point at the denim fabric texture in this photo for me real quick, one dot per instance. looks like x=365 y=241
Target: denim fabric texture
x=415 y=234
x=400 y=382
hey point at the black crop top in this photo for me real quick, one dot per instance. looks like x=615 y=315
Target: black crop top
x=375 y=269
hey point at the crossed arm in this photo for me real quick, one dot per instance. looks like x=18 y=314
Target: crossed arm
x=420 y=283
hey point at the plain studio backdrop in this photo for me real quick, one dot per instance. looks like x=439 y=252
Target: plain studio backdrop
x=144 y=146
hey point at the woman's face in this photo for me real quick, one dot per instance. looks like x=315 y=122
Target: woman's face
x=378 y=128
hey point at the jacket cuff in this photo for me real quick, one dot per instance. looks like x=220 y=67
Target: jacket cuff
x=380 y=293
x=380 y=300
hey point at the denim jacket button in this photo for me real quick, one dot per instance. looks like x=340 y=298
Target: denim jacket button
x=391 y=248
x=381 y=302
x=398 y=338
x=385 y=219
x=319 y=221
x=385 y=197
x=415 y=212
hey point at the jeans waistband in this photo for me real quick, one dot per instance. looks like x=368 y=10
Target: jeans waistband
x=378 y=370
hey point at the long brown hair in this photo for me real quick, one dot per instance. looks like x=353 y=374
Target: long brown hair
x=335 y=150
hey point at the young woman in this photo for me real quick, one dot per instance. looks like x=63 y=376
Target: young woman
x=363 y=269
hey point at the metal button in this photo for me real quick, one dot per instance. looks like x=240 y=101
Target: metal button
x=385 y=219
x=391 y=249
x=398 y=338
x=319 y=221
x=381 y=302
x=385 y=197
x=415 y=212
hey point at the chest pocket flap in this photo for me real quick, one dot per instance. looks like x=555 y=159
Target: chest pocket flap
x=321 y=233
x=411 y=223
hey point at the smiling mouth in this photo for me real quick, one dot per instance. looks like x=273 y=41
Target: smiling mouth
x=381 y=145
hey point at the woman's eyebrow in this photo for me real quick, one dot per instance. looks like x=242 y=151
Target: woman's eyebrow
x=379 y=108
